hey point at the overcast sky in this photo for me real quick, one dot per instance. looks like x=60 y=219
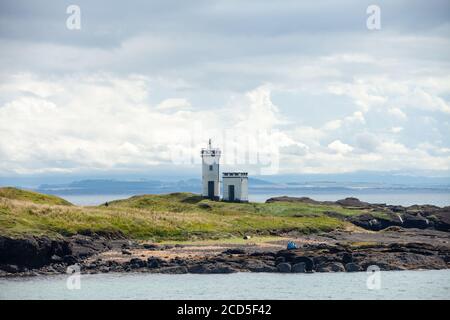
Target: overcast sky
x=144 y=84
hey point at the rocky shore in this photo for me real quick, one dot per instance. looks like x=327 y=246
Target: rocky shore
x=392 y=249
x=380 y=216
x=390 y=237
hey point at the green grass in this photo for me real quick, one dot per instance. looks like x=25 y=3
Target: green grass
x=18 y=194
x=188 y=202
x=173 y=217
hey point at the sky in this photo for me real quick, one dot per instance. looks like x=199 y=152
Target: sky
x=281 y=87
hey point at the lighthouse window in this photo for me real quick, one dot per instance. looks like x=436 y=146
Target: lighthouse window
x=210 y=168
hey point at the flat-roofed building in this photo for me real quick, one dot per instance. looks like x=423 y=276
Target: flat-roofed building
x=235 y=186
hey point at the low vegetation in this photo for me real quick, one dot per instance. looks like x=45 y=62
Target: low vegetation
x=173 y=217
x=34 y=197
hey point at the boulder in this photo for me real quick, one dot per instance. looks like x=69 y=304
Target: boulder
x=259 y=266
x=104 y=269
x=337 y=267
x=137 y=263
x=416 y=221
x=352 y=267
x=309 y=263
x=284 y=267
x=153 y=263
x=347 y=257
x=279 y=260
x=299 y=267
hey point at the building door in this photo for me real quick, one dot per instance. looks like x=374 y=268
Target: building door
x=211 y=189
x=231 y=193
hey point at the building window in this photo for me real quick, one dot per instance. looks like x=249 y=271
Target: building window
x=210 y=168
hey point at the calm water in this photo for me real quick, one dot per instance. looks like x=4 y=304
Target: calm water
x=405 y=198
x=393 y=285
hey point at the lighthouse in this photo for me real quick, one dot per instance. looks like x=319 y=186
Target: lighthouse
x=210 y=172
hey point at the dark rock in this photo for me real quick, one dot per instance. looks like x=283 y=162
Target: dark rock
x=370 y=222
x=299 y=267
x=69 y=259
x=31 y=252
x=442 y=219
x=352 y=267
x=234 y=251
x=419 y=222
x=292 y=199
x=284 y=267
x=104 y=269
x=54 y=258
x=126 y=252
x=153 y=263
x=151 y=246
x=309 y=263
x=279 y=260
x=10 y=268
x=211 y=268
x=352 y=202
x=337 y=267
x=138 y=262
x=323 y=268
x=347 y=257
x=259 y=266
x=174 y=270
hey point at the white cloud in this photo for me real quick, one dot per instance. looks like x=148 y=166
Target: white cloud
x=396 y=129
x=174 y=103
x=357 y=116
x=397 y=113
x=340 y=147
x=333 y=125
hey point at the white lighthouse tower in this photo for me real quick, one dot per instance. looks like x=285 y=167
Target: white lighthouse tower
x=210 y=172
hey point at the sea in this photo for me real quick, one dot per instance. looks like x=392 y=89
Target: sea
x=384 y=285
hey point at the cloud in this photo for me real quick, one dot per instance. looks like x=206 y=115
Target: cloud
x=367 y=141
x=111 y=97
x=174 y=103
x=340 y=147
x=396 y=129
x=397 y=113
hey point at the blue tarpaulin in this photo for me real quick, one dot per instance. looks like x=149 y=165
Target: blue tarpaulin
x=291 y=245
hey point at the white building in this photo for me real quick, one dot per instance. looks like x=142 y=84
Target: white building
x=210 y=172
x=235 y=186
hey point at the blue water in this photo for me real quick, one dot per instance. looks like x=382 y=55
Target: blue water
x=392 y=285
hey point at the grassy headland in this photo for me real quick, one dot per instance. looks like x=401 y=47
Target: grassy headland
x=177 y=216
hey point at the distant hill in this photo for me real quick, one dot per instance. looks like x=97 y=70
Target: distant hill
x=104 y=186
